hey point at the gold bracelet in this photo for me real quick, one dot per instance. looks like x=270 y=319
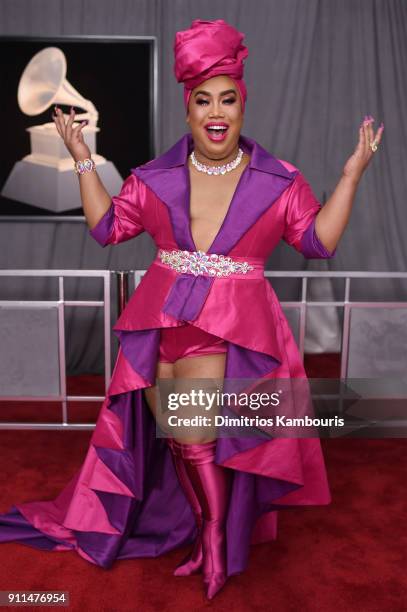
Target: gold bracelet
x=85 y=165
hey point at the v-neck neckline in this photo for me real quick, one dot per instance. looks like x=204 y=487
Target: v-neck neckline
x=257 y=189
x=188 y=205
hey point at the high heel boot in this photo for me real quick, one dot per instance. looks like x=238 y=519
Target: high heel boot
x=192 y=563
x=212 y=485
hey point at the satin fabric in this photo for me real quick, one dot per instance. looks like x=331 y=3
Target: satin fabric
x=112 y=507
x=192 y=562
x=208 y=49
x=212 y=485
x=188 y=341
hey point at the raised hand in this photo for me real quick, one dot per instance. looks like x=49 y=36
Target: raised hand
x=360 y=159
x=72 y=137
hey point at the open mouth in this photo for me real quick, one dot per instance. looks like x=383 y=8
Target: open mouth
x=216 y=132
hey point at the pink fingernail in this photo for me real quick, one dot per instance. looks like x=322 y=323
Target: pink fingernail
x=382 y=125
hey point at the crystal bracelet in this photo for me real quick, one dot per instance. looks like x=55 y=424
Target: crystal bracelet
x=85 y=165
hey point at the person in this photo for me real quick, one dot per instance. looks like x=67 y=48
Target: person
x=216 y=204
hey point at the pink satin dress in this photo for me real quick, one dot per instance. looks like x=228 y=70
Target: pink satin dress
x=112 y=507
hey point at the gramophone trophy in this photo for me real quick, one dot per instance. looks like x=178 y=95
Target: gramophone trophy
x=46 y=177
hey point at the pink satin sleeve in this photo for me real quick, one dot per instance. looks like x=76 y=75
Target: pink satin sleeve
x=122 y=220
x=302 y=208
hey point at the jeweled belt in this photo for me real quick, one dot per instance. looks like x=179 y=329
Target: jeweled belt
x=212 y=264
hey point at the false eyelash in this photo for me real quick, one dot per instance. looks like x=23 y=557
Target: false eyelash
x=200 y=102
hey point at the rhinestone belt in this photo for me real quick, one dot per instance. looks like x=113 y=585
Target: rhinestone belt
x=199 y=262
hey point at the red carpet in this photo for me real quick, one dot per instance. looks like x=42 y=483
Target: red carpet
x=348 y=556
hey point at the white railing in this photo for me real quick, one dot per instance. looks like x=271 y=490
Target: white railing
x=122 y=277
x=61 y=303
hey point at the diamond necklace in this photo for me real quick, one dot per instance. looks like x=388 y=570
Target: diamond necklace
x=217 y=169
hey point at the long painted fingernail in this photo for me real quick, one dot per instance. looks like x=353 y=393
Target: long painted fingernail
x=381 y=125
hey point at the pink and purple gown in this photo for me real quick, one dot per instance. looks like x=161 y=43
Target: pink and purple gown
x=112 y=508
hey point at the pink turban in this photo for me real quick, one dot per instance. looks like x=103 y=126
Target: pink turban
x=207 y=49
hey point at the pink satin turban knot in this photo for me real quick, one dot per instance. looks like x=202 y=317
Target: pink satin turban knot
x=207 y=49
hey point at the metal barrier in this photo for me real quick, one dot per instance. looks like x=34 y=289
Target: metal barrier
x=60 y=304
x=346 y=303
x=122 y=290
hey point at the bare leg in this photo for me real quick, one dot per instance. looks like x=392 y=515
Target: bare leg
x=164 y=370
x=211 y=368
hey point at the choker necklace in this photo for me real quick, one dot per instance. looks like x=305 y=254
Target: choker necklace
x=217 y=169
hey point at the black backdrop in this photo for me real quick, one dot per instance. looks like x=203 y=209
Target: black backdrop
x=116 y=74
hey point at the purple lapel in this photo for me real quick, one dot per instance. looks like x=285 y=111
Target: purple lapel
x=167 y=176
x=262 y=182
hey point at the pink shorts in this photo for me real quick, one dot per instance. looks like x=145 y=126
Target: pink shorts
x=188 y=341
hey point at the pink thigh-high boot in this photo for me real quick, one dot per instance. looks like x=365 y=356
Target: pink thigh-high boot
x=212 y=486
x=192 y=563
